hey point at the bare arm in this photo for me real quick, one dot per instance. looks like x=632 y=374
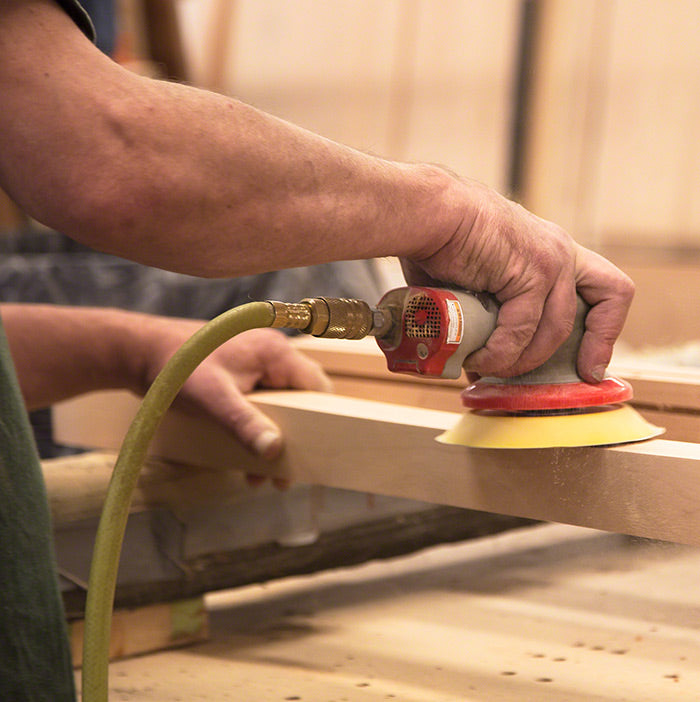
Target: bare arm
x=60 y=352
x=195 y=182
x=183 y=178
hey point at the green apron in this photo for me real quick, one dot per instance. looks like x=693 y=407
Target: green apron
x=35 y=661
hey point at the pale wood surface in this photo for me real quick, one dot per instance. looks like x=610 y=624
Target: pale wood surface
x=647 y=489
x=646 y=182
x=667 y=396
x=654 y=385
x=563 y=132
x=146 y=629
x=427 y=80
x=612 y=143
x=554 y=614
x=664 y=313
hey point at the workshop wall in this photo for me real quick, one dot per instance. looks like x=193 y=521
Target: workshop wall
x=611 y=148
x=614 y=128
x=610 y=139
x=409 y=79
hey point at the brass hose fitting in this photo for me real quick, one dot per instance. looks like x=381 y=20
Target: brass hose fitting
x=338 y=318
x=329 y=317
x=291 y=315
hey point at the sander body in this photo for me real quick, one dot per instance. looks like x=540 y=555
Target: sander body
x=431 y=331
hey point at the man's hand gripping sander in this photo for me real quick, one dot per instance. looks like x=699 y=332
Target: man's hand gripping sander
x=430 y=332
x=434 y=330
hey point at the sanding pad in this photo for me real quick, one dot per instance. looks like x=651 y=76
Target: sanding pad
x=599 y=426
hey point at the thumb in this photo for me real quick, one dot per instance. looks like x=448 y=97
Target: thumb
x=255 y=430
x=260 y=435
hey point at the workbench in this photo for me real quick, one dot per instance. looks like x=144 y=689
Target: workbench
x=542 y=614
x=378 y=451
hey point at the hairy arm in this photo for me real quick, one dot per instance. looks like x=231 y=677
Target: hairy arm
x=183 y=178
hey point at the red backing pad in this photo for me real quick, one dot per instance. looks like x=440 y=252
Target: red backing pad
x=530 y=398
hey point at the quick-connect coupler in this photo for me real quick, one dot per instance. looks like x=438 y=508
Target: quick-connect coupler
x=331 y=317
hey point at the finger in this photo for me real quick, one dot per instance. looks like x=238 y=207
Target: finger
x=554 y=328
x=283 y=366
x=282 y=484
x=257 y=432
x=517 y=322
x=415 y=275
x=604 y=323
x=304 y=373
x=609 y=292
x=254 y=480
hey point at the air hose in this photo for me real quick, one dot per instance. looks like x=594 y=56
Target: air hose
x=328 y=317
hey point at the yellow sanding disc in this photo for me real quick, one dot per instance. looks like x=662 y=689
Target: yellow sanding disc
x=602 y=426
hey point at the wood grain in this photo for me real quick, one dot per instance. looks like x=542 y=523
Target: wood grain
x=649 y=489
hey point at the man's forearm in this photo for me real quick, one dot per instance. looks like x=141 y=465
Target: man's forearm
x=60 y=352
x=196 y=182
x=189 y=180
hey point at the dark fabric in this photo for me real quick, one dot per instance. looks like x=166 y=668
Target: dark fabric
x=35 y=659
x=103 y=16
x=79 y=16
x=94 y=279
x=35 y=663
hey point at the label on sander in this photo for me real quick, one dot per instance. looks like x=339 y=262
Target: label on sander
x=455 y=324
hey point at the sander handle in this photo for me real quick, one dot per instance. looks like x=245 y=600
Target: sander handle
x=561 y=366
x=431 y=331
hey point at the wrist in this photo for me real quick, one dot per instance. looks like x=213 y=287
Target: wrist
x=435 y=212
x=145 y=345
x=119 y=358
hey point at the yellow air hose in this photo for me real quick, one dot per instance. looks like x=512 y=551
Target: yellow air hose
x=110 y=532
x=328 y=317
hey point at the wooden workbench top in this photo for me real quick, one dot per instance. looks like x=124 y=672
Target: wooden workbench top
x=545 y=614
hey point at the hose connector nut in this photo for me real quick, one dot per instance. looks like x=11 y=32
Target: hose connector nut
x=320 y=315
x=339 y=318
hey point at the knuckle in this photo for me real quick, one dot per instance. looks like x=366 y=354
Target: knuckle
x=562 y=330
x=504 y=352
x=521 y=336
x=626 y=288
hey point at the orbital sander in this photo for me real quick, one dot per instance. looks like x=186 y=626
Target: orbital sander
x=430 y=332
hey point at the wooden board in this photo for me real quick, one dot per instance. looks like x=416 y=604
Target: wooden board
x=663 y=387
x=649 y=489
x=669 y=397
x=147 y=629
x=612 y=150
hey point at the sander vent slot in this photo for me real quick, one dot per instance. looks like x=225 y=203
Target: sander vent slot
x=422 y=318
